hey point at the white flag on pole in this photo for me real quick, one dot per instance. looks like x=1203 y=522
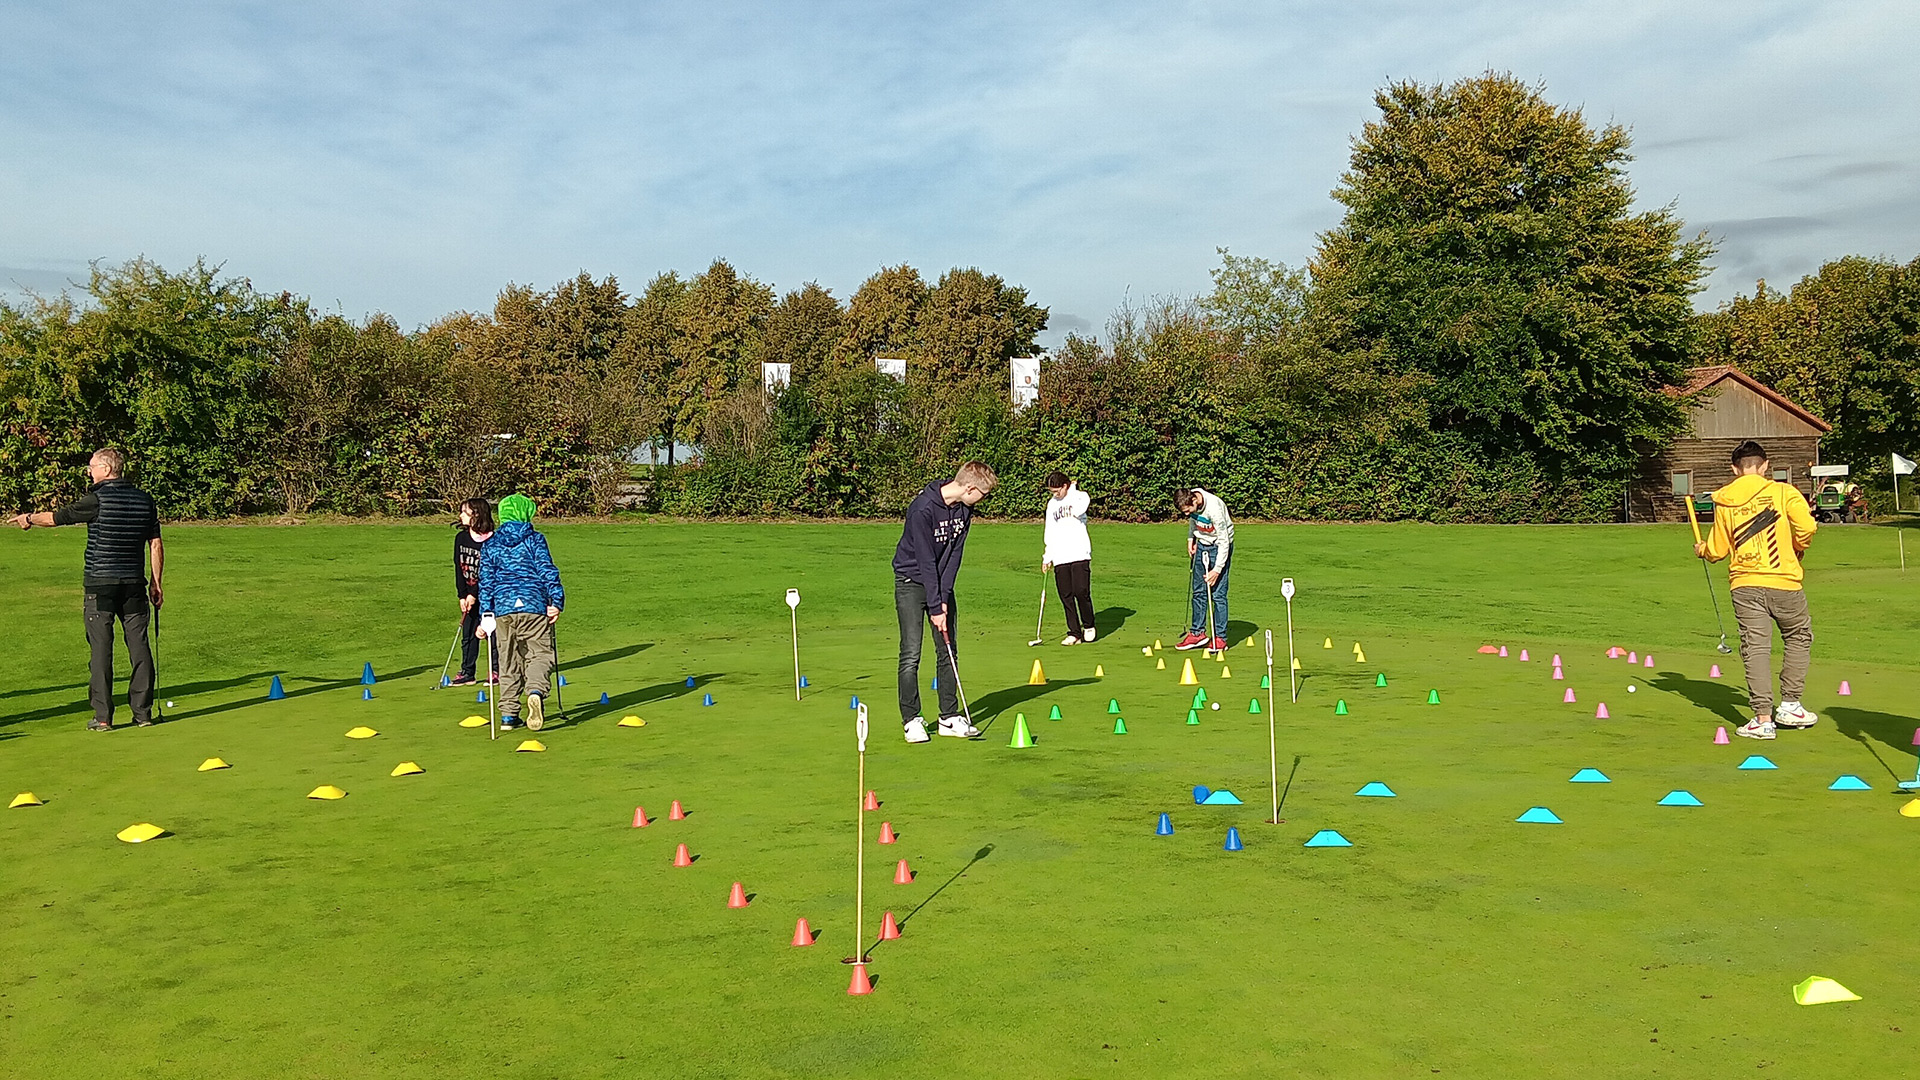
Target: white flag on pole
x=1901 y=466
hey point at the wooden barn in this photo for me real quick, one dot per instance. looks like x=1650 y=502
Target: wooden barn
x=1731 y=406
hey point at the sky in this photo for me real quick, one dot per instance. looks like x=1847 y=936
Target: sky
x=413 y=158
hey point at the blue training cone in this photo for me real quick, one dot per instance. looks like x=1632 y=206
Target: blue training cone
x=366 y=675
x=1165 y=827
x=481 y=697
x=444 y=681
x=936 y=682
x=853 y=702
x=563 y=680
x=276 y=692
x=366 y=693
x=1200 y=793
x=1233 y=841
x=707 y=700
x=803 y=682
x=604 y=699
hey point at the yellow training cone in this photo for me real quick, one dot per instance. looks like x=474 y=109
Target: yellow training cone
x=1156 y=644
x=631 y=721
x=1296 y=663
x=1356 y=648
x=531 y=746
x=141 y=833
x=1816 y=990
x=1226 y=673
x=1099 y=671
x=406 y=768
x=362 y=733
x=1146 y=650
x=1327 y=644
x=1160 y=664
x=1037 y=677
x=25 y=798
x=1359 y=658
x=213 y=763
x=1912 y=809
x=1186 y=674
x=474 y=721
x=1249 y=640
x=326 y=791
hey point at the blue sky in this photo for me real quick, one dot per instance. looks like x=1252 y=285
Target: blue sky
x=412 y=158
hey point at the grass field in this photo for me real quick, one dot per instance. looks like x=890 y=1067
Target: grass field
x=497 y=916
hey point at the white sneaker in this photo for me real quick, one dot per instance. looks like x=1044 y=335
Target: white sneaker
x=917 y=730
x=1069 y=640
x=536 y=713
x=957 y=727
x=1088 y=636
x=1792 y=714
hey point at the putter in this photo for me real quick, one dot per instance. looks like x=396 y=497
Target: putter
x=554 y=639
x=1293 y=686
x=457 y=627
x=966 y=711
x=1213 y=632
x=1273 y=758
x=159 y=699
x=1042 y=620
x=1694 y=520
x=793 y=610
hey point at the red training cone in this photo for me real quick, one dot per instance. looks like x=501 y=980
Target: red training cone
x=888 y=928
x=1601 y=712
x=872 y=803
x=802 y=934
x=680 y=856
x=1568 y=700
x=640 y=817
x=886 y=832
x=902 y=875
x=1845 y=690
x=861 y=984
x=738 y=897
x=1720 y=735
x=674 y=813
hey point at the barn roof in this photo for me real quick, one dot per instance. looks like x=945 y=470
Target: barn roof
x=1705 y=378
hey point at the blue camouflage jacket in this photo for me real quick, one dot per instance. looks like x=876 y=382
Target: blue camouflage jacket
x=517 y=575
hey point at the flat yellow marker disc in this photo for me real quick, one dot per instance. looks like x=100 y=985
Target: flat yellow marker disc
x=25 y=798
x=326 y=791
x=141 y=833
x=213 y=763
x=406 y=768
x=362 y=733
x=631 y=721
x=474 y=721
x=531 y=746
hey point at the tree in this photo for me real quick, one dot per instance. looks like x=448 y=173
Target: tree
x=883 y=316
x=971 y=324
x=1254 y=302
x=1489 y=249
x=803 y=329
x=716 y=344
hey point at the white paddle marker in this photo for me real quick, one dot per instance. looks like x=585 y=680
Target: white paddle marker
x=793 y=613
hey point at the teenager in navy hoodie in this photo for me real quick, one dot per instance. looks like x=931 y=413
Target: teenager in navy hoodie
x=925 y=564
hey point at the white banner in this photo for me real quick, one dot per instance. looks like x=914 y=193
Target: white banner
x=1024 y=373
x=1901 y=466
x=775 y=377
x=892 y=366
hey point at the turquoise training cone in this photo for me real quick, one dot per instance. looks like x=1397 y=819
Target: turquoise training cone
x=1377 y=790
x=1327 y=838
x=1589 y=776
x=1680 y=798
x=1755 y=761
x=1540 y=815
x=1849 y=782
x=1223 y=797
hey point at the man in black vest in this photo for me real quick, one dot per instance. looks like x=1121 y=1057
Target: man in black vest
x=123 y=535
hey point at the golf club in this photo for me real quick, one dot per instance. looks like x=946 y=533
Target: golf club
x=793 y=611
x=159 y=699
x=1042 y=620
x=1694 y=520
x=1206 y=597
x=1293 y=685
x=1273 y=758
x=493 y=729
x=560 y=702
x=459 y=625
x=966 y=711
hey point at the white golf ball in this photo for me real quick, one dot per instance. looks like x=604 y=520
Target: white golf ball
x=1632 y=689
x=1215 y=706
x=169 y=704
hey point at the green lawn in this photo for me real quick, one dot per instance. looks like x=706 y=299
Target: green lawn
x=497 y=916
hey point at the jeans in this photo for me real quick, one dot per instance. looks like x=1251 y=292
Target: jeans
x=128 y=603
x=910 y=604
x=1758 y=610
x=1074 y=582
x=1203 y=561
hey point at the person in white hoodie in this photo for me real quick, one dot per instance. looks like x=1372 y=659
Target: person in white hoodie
x=1069 y=553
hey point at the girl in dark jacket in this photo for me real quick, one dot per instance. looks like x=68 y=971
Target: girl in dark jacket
x=476 y=525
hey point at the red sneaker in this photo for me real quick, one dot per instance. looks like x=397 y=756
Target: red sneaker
x=1191 y=641
x=1219 y=644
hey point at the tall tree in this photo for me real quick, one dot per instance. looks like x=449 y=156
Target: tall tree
x=970 y=326
x=716 y=346
x=1489 y=247
x=803 y=329
x=883 y=316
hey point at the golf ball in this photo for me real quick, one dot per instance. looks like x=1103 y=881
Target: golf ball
x=1215 y=706
x=1632 y=689
x=169 y=704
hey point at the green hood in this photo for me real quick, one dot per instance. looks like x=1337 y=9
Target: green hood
x=516 y=508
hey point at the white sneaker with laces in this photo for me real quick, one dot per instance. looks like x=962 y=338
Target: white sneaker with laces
x=917 y=731
x=1069 y=640
x=957 y=727
x=1793 y=715
x=1755 y=729
x=1088 y=637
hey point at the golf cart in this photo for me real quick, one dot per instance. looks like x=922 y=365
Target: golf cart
x=1835 y=498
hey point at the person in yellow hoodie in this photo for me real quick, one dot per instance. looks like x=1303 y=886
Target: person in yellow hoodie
x=1765 y=526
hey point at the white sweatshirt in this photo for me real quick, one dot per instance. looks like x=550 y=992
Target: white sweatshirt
x=1067 y=540
x=1212 y=527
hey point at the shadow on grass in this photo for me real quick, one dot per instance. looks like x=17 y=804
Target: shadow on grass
x=620 y=653
x=161 y=692
x=41 y=690
x=1000 y=701
x=1723 y=699
x=312 y=686
x=957 y=875
x=1888 y=729
x=634 y=699
x=1238 y=631
x=1109 y=621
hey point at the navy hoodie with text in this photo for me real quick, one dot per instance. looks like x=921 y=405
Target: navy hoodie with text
x=931 y=544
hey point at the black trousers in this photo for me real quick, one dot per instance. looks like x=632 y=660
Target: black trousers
x=470 y=645
x=910 y=604
x=1074 y=582
x=128 y=603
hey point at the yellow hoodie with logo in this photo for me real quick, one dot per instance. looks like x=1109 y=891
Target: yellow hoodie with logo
x=1765 y=525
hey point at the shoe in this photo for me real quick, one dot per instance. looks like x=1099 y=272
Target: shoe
x=1755 y=729
x=917 y=731
x=536 y=713
x=1790 y=714
x=99 y=725
x=493 y=679
x=143 y=723
x=1069 y=640
x=461 y=679
x=1218 y=645
x=1088 y=636
x=957 y=727
x=1193 y=640
x=508 y=723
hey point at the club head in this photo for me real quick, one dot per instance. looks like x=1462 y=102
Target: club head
x=1032 y=643
x=1723 y=647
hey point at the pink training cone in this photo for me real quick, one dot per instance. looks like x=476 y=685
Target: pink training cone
x=1503 y=651
x=1633 y=657
x=1713 y=672
x=1845 y=690
x=1649 y=662
x=1613 y=653
x=1556 y=672
x=1523 y=655
x=1568 y=700
x=1556 y=659
x=1720 y=735
x=1916 y=736
x=1601 y=712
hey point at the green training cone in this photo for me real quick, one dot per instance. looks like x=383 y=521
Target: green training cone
x=1266 y=682
x=1022 y=738
x=1380 y=679
x=1253 y=707
x=1433 y=697
x=1054 y=714
x=1119 y=726
x=1193 y=717
x=1113 y=706
x=1340 y=707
